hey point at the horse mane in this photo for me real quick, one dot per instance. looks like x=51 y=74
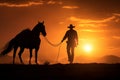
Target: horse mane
x=23 y=32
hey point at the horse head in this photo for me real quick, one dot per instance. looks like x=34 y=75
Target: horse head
x=41 y=24
x=40 y=27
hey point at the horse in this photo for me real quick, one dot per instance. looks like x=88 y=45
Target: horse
x=26 y=39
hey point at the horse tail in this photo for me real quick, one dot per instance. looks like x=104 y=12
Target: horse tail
x=8 y=47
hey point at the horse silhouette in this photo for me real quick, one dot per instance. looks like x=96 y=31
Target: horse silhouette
x=26 y=39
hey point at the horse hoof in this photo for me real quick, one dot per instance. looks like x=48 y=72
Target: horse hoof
x=22 y=63
x=29 y=63
x=37 y=63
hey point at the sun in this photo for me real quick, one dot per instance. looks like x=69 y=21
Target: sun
x=87 y=48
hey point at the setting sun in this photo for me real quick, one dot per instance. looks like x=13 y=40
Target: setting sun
x=87 y=48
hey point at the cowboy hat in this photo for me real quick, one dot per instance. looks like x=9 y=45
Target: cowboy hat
x=71 y=26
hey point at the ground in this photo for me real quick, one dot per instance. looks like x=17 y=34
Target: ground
x=76 y=71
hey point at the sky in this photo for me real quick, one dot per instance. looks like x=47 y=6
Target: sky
x=96 y=21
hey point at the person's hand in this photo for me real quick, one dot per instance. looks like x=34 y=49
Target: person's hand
x=76 y=44
x=62 y=41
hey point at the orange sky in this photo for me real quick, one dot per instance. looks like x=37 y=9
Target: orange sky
x=97 y=23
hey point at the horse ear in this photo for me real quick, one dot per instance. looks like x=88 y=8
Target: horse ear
x=43 y=22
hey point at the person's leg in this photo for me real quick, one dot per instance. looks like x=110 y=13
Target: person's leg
x=68 y=52
x=72 y=54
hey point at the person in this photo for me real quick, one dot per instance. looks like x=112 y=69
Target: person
x=72 y=41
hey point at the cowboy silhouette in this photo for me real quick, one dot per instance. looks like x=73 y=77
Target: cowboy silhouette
x=72 y=42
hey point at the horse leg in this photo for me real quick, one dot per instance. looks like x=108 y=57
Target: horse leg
x=30 y=56
x=14 y=54
x=20 y=54
x=36 y=54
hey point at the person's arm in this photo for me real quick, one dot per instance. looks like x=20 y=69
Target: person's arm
x=64 y=37
x=76 y=38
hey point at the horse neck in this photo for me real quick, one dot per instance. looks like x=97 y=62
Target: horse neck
x=36 y=32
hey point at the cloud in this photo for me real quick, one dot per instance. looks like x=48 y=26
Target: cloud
x=113 y=48
x=72 y=18
x=27 y=3
x=20 y=3
x=98 y=25
x=51 y=2
x=116 y=14
x=70 y=7
x=92 y=22
x=90 y=30
x=116 y=37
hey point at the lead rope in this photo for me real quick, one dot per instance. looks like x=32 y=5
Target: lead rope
x=54 y=45
x=58 y=54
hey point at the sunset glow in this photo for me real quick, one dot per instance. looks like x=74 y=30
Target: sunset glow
x=87 y=48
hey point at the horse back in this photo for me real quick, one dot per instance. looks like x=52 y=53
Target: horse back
x=23 y=34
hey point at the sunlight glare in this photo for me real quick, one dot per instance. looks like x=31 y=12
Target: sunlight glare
x=87 y=48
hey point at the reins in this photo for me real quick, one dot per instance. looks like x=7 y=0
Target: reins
x=54 y=45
